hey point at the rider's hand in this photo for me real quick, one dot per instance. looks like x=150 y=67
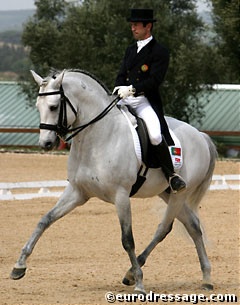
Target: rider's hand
x=124 y=91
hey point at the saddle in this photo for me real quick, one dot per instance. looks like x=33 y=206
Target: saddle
x=146 y=151
x=148 y=157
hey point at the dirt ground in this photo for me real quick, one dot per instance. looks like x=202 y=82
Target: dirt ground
x=80 y=257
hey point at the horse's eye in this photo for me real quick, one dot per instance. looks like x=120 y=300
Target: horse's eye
x=53 y=108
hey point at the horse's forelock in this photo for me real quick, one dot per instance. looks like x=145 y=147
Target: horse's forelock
x=52 y=75
x=45 y=82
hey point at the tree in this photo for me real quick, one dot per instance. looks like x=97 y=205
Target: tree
x=93 y=36
x=226 y=17
x=42 y=33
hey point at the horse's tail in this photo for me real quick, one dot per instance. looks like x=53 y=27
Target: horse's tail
x=203 y=187
x=213 y=157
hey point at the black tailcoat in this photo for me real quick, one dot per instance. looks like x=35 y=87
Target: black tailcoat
x=146 y=71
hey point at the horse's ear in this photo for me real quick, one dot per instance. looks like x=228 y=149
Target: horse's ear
x=38 y=79
x=58 y=80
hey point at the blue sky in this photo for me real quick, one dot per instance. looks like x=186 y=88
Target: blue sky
x=29 y=4
x=16 y=4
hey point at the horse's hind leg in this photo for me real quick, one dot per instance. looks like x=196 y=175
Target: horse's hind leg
x=192 y=225
x=67 y=202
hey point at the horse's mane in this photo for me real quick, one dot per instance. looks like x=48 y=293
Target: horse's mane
x=54 y=73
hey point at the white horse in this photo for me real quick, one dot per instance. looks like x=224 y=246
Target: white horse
x=102 y=163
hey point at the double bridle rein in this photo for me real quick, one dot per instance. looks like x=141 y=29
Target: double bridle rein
x=61 y=128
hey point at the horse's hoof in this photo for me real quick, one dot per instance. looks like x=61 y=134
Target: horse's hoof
x=128 y=282
x=140 y=291
x=17 y=273
x=207 y=286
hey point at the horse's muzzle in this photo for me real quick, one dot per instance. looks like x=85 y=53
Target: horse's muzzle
x=49 y=144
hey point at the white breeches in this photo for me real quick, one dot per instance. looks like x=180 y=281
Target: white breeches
x=145 y=111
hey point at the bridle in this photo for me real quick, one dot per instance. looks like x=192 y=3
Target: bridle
x=61 y=127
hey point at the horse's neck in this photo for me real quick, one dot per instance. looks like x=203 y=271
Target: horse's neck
x=99 y=142
x=106 y=131
x=89 y=97
x=85 y=85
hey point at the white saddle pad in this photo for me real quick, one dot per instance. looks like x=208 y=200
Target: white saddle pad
x=175 y=151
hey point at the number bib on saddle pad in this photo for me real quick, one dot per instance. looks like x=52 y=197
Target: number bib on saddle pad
x=176 y=152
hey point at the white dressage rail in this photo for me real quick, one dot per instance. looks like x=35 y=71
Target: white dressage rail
x=219 y=182
x=43 y=186
x=225 y=182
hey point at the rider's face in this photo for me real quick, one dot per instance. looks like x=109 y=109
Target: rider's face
x=140 y=32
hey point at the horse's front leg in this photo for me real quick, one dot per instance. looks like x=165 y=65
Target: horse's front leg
x=67 y=202
x=125 y=218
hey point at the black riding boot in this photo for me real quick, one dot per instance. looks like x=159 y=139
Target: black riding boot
x=176 y=182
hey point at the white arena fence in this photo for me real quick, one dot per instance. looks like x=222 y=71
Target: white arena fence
x=8 y=189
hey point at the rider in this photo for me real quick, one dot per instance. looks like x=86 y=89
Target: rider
x=142 y=71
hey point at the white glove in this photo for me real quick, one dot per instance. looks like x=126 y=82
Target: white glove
x=124 y=91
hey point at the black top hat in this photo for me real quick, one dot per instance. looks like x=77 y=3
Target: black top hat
x=141 y=15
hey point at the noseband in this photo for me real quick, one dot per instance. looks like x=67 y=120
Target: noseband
x=61 y=127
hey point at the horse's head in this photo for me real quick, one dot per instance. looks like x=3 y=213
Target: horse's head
x=56 y=111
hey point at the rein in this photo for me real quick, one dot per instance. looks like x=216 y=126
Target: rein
x=61 y=127
x=97 y=118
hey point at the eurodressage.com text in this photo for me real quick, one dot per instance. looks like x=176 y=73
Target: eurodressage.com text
x=156 y=297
